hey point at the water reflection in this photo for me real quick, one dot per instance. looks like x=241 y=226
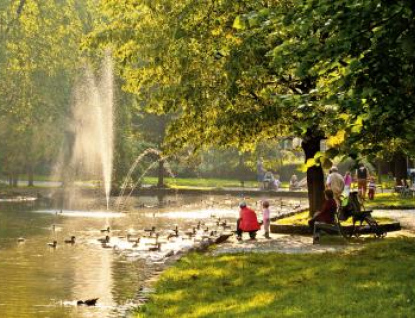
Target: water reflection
x=39 y=281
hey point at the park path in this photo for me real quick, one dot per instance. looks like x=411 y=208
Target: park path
x=298 y=244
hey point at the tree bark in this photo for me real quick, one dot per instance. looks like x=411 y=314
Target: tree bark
x=315 y=175
x=160 y=174
x=401 y=173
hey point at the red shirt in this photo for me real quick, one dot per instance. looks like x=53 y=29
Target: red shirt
x=327 y=212
x=249 y=221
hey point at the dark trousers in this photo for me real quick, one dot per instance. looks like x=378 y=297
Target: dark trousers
x=252 y=234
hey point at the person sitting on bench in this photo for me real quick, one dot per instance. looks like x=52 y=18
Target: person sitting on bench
x=324 y=218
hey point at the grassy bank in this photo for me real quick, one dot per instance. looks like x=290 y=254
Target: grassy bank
x=203 y=183
x=390 y=200
x=377 y=281
x=302 y=219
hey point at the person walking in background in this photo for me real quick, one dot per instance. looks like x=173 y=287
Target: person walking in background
x=362 y=176
x=336 y=184
x=266 y=218
x=347 y=183
x=372 y=188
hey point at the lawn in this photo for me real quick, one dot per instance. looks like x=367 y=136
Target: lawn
x=203 y=183
x=302 y=219
x=376 y=281
x=390 y=200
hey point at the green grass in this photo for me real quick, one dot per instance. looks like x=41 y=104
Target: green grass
x=390 y=200
x=203 y=183
x=302 y=219
x=377 y=281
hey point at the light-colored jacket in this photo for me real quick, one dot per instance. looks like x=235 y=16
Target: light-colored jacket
x=336 y=183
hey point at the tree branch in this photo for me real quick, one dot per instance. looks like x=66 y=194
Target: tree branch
x=18 y=14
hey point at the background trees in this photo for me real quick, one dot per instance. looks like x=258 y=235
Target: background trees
x=237 y=73
x=38 y=63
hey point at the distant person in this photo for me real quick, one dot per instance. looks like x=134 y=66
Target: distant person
x=268 y=180
x=247 y=222
x=293 y=182
x=362 y=176
x=336 y=183
x=347 y=183
x=266 y=218
x=325 y=216
x=260 y=173
x=277 y=182
x=372 y=188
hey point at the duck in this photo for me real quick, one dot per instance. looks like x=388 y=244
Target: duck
x=53 y=244
x=152 y=230
x=88 y=302
x=71 y=240
x=108 y=229
x=132 y=239
x=104 y=240
x=21 y=240
x=157 y=247
x=174 y=234
x=191 y=233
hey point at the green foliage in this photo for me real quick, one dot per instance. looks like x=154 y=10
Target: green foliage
x=38 y=59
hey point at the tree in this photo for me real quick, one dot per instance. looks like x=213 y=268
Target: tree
x=244 y=72
x=38 y=64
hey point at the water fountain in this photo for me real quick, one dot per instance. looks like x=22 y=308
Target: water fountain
x=128 y=178
x=90 y=139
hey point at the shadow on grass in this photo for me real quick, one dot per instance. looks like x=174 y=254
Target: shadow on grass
x=376 y=281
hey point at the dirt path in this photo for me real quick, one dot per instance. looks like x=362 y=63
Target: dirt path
x=296 y=244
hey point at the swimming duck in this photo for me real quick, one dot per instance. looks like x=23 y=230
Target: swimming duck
x=157 y=247
x=88 y=302
x=104 y=240
x=152 y=230
x=21 y=240
x=191 y=233
x=53 y=244
x=105 y=245
x=108 y=229
x=71 y=240
x=132 y=239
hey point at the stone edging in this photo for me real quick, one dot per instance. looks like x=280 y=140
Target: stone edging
x=392 y=207
x=306 y=230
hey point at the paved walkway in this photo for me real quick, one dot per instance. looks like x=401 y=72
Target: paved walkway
x=297 y=244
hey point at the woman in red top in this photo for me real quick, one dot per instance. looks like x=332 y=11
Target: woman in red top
x=247 y=222
x=325 y=216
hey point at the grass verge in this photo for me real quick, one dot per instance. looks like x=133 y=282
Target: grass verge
x=377 y=281
x=390 y=200
x=302 y=219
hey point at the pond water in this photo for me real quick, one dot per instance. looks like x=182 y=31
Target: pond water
x=40 y=281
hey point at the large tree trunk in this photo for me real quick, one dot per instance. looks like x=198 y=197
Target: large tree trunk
x=399 y=160
x=315 y=176
x=160 y=174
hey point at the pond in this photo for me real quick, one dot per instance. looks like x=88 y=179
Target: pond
x=41 y=281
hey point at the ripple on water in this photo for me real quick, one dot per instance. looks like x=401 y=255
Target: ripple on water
x=83 y=214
